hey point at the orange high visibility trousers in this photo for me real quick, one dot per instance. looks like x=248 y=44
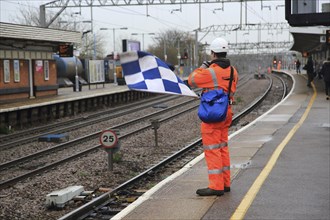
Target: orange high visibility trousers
x=215 y=143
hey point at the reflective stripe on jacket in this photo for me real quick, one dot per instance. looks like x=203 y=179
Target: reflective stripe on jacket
x=208 y=79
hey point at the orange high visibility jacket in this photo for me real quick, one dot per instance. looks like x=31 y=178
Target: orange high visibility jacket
x=217 y=77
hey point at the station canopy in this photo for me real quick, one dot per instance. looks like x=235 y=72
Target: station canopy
x=24 y=37
x=308 y=39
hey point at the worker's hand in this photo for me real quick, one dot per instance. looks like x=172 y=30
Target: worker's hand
x=205 y=64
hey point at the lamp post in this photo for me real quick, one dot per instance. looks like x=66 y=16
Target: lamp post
x=67 y=22
x=179 y=55
x=82 y=36
x=74 y=23
x=165 y=55
x=114 y=49
x=89 y=31
x=143 y=37
x=76 y=54
x=164 y=40
x=236 y=29
x=92 y=30
x=114 y=34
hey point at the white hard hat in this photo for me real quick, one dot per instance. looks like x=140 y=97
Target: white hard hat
x=219 y=45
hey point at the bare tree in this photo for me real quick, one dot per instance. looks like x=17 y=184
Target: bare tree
x=92 y=44
x=175 y=44
x=29 y=15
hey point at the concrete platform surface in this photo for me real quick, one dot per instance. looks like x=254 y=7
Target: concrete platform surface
x=64 y=94
x=292 y=139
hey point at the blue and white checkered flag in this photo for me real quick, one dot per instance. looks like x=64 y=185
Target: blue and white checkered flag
x=146 y=72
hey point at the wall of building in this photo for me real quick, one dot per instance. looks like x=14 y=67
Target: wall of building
x=15 y=74
x=14 y=79
x=44 y=78
x=27 y=67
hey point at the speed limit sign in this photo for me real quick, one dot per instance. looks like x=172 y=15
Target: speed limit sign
x=108 y=139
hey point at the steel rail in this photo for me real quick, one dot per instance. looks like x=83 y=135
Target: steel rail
x=248 y=109
x=14 y=180
x=283 y=85
x=102 y=200
x=90 y=136
x=19 y=138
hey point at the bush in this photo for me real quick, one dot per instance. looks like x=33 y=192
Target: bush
x=117 y=157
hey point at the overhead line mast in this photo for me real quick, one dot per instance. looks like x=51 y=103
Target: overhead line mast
x=63 y=4
x=99 y=3
x=246 y=27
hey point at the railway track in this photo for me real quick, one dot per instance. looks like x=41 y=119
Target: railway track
x=39 y=163
x=93 y=136
x=32 y=134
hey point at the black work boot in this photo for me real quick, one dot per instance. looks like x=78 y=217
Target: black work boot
x=209 y=192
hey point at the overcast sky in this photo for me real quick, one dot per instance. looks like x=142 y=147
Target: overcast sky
x=162 y=18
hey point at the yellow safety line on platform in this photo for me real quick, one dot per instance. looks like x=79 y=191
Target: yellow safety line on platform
x=253 y=191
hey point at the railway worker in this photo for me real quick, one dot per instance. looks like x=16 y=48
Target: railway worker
x=309 y=67
x=325 y=72
x=279 y=65
x=298 y=66
x=215 y=135
x=317 y=65
x=269 y=70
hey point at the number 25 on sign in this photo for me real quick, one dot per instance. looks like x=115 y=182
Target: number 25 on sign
x=108 y=139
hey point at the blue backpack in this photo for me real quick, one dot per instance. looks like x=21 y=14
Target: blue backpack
x=214 y=104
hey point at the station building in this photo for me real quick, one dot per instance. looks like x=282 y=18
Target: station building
x=27 y=67
x=312 y=40
x=310 y=27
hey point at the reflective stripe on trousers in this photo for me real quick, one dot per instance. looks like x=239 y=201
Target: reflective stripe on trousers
x=218 y=163
x=218 y=171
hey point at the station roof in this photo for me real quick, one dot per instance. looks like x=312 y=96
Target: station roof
x=308 y=39
x=33 y=33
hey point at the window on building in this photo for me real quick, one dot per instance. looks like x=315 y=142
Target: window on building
x=46 y=69
x=17 y=76
x=6 y=67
